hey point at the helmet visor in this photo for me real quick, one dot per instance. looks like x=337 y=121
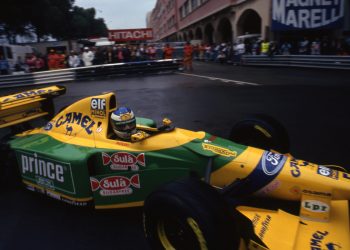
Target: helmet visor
x=124 y=126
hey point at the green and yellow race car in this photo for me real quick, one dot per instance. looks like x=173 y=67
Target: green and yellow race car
x=199 y=191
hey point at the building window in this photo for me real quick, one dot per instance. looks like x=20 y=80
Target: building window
x=187 y=8
x=182 y=12
x=194 y=4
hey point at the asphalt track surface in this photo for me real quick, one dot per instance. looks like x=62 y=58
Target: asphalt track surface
x=312 y=104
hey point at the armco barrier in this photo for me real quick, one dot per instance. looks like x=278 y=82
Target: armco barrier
x=83 y=73
x=306 y=61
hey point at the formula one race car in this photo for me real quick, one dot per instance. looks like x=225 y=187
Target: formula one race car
x=199 y=191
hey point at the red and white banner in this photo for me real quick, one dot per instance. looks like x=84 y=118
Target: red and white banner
x=130 y=35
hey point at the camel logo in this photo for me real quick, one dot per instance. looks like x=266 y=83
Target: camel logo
x=316 y=242
x=333 y=246
x=69 y=130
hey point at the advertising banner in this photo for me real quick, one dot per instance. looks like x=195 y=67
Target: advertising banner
x=126 y=35
x=307 y=14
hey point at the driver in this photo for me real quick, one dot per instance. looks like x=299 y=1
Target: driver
x=123 y=123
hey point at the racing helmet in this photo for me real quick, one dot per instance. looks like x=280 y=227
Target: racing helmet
x=123 y=122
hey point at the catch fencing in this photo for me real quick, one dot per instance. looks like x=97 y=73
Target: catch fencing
x=84 y=73
x=305 y=61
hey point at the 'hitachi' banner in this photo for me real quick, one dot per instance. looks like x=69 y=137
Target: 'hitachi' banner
x=306 y=14
x=130 y=35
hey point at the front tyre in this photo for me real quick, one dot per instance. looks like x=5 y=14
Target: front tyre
x=189 y=214
x=261 y=131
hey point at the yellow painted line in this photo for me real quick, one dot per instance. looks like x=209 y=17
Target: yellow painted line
x=57 y=193
x=124 y=205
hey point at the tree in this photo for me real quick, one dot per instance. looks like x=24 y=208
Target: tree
x=84 y=24
x=58 y=18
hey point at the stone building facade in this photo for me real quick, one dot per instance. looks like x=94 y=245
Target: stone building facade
x=214 y=21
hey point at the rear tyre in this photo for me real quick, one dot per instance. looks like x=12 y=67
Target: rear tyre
x=261 y=131
x=189 y=214
x=9 y=172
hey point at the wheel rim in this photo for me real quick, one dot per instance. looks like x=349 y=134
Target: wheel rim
x=175 y=234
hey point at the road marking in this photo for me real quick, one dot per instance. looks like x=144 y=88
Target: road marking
x=222 y=79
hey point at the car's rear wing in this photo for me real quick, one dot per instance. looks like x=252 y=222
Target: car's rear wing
x=28 y=105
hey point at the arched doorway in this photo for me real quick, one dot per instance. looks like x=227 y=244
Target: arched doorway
x=185 y=37
x=249 y=23
x=199 y=34
x=190 y=35
x=225 y=30
x=208 y=33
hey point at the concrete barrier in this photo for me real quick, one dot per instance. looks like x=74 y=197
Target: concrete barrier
x=305 y=61
x=84 y=73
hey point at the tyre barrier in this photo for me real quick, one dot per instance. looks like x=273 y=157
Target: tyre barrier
x=304 y=61
x=84 y=73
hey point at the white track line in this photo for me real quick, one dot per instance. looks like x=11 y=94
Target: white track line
x=222 y=79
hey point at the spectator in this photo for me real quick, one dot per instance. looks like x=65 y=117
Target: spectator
x=4 y=66
x=138 y=53
x=215 y=52
x=143 y=52
x=120 y=57
x=99 y=57
x=126 y=53
x=239 y=51
x=285 y=48
x=272 y=49
x=256 y=47
x=39 y=63
x=61 y=60
x=316 y=47
x=201 y=52
x=208 y=52
x=241 y=48
x=195 y=51
x=20 y=65
x=168 y=52
x=221 y=57
x=248 y=47
x=151 y=52
x=304 y=46
x=87 y=56
x=188 y=54
x=73 y=60
x=30 y=61
x=265 y=47
x=110 y=55
x=52 y=60
x=325 y=46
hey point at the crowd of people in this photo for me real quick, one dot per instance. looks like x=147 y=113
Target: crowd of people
x=88 y=56
x=227 y=52
x=222 y=53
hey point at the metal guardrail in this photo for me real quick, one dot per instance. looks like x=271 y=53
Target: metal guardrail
x=306 y=61
x=83 y=73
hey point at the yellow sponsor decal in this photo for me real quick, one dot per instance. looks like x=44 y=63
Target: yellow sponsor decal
x=219 y=150
x=86 y=199
x=315 y=207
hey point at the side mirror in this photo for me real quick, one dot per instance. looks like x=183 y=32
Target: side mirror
x=167 y=122
x=139 y=136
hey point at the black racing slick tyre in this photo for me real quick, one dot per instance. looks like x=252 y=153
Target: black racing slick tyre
x=189 y=214
x=9 y=172
x=261 y=131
